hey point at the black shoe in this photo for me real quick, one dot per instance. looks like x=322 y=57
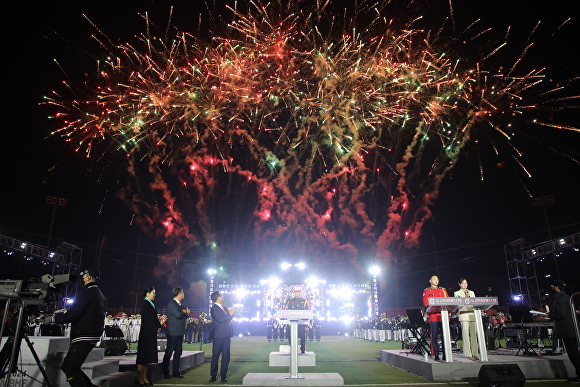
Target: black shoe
x=575 y=380
x=179 y=376
x=212 y=379
x=436 y=358
x=167 y=377
x=224 y=379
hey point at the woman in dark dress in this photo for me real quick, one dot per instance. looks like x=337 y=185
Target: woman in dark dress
x=147 y=347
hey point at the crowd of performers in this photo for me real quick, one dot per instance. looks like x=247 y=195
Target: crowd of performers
x=385 y=328
x=378 y=329
x=197 y=328
x=276 y=331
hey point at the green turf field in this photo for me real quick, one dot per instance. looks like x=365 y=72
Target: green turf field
x=356 y=360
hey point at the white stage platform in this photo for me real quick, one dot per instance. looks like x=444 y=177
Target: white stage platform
x=307 y=379
x=104 y=371
x=465 y=370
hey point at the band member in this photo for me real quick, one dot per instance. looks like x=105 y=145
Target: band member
x=565 y=321
x=435 y=317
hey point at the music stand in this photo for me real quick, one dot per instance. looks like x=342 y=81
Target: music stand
x=420 y=330
x=521 y=315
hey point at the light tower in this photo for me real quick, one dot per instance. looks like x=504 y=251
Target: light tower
x=375 y=271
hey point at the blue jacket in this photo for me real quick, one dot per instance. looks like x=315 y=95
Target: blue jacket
x=176 y=319
x=221 y=326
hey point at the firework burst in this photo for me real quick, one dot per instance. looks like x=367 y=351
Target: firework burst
x=293 y=133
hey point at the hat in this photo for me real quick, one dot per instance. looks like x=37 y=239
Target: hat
x=559 y=283
x=92 y=271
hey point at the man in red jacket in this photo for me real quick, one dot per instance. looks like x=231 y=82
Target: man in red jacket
x=435 y=318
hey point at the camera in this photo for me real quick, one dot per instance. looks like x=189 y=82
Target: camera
x=39 y=295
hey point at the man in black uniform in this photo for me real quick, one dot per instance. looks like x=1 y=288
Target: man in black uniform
x=299 y=303
x=564 y=321
x=87 y=316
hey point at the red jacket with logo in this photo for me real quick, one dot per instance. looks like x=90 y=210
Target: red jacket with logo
x=430 y=292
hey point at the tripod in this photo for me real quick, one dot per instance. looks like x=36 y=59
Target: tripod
x=11 y=349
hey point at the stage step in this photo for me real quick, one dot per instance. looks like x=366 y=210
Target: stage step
x=116 y=379
x=282 y=359
x=279 y=379
x=98 y=369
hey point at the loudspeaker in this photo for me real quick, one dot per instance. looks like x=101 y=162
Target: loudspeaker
x=114 y=347
x=501 y=375
x=50 y=330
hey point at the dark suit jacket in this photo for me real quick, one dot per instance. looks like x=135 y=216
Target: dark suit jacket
x=562 y=316
x=176 y=319
x=221 y=327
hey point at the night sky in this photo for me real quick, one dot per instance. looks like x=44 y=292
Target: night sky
x=472 y=219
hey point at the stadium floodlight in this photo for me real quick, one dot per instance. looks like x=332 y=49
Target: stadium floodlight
x=300 y=265
x=313 y=282
x=274 y=281
x=285 y=265
x=241 y=293
x=375 y=270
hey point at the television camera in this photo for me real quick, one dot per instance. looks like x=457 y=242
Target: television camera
x=39 y=295
x=24 y=302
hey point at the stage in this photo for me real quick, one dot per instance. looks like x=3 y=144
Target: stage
x=465 y=370
x=189 y=359
x=106 y=371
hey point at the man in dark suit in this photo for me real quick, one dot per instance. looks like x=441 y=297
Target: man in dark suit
x=176 y=318
x=221 y=333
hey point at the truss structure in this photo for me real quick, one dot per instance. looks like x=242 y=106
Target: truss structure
x=521 y=261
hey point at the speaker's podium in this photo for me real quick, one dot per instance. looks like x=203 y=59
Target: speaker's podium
x=446 y=305
x=480 y=304
x=294 y=317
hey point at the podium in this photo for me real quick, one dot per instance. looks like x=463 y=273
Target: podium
x=444 y=305
x=480 y=304
x=295 y=317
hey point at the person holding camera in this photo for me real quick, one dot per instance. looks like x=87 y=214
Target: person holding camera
x=86 y=316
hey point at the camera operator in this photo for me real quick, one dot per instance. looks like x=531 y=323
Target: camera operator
x=86 y=316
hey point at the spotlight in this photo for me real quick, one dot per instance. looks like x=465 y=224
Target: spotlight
x=375 y=270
